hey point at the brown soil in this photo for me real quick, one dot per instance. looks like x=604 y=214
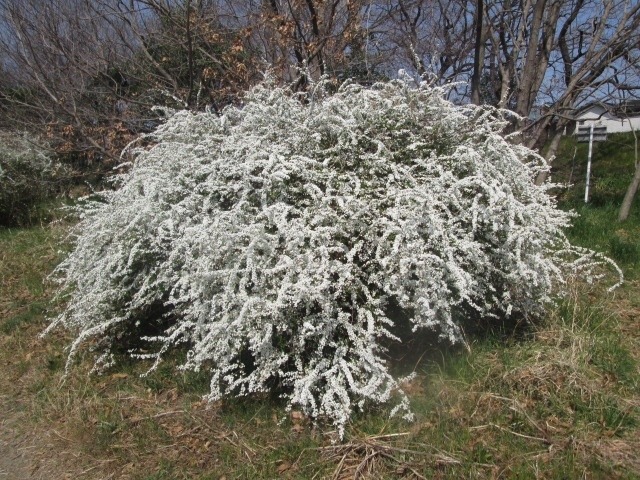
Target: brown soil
x=23 y=455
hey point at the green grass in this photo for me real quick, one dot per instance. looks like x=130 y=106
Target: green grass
x=561 y=400
x=596 y=225
x=611 y=170
x=25 y=257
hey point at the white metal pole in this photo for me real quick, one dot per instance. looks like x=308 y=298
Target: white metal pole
x=586 y=190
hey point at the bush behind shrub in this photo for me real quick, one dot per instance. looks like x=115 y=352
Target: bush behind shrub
x=28 y=176
x=272 y=241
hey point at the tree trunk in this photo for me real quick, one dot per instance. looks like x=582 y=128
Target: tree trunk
x=478 y=60
x=629 y=196
x=551 y=152
x=633 y=187
x=531 y=61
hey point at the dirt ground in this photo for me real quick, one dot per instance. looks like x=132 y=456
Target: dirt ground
x=37 y=455
x=14 y=461
x=25 y=456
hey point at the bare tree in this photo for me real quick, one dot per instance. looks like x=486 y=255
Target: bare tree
x=545 y=58
x=89 y=71
x=301 y=38
x=434 y=37
x=54 y=52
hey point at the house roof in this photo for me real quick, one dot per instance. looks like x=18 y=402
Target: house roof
x=628 y=108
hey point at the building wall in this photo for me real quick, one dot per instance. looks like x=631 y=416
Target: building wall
x=600 y=117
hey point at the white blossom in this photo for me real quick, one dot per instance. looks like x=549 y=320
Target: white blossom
x=274 y=241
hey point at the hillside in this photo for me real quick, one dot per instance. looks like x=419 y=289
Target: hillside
x=611 y=172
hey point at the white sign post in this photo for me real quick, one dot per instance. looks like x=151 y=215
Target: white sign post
x=590 y=134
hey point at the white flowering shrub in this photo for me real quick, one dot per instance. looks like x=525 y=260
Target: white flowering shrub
x=28 y=176
x=274 y=243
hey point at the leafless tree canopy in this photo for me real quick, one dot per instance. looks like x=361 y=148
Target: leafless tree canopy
x=87 y=72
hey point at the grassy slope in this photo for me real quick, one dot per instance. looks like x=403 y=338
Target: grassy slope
x=561 y=400
x=612 y=170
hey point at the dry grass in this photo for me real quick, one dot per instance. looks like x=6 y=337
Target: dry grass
x=371 y=456
x=562 y=401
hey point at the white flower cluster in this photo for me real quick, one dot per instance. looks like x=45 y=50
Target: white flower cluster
x=274 y=241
